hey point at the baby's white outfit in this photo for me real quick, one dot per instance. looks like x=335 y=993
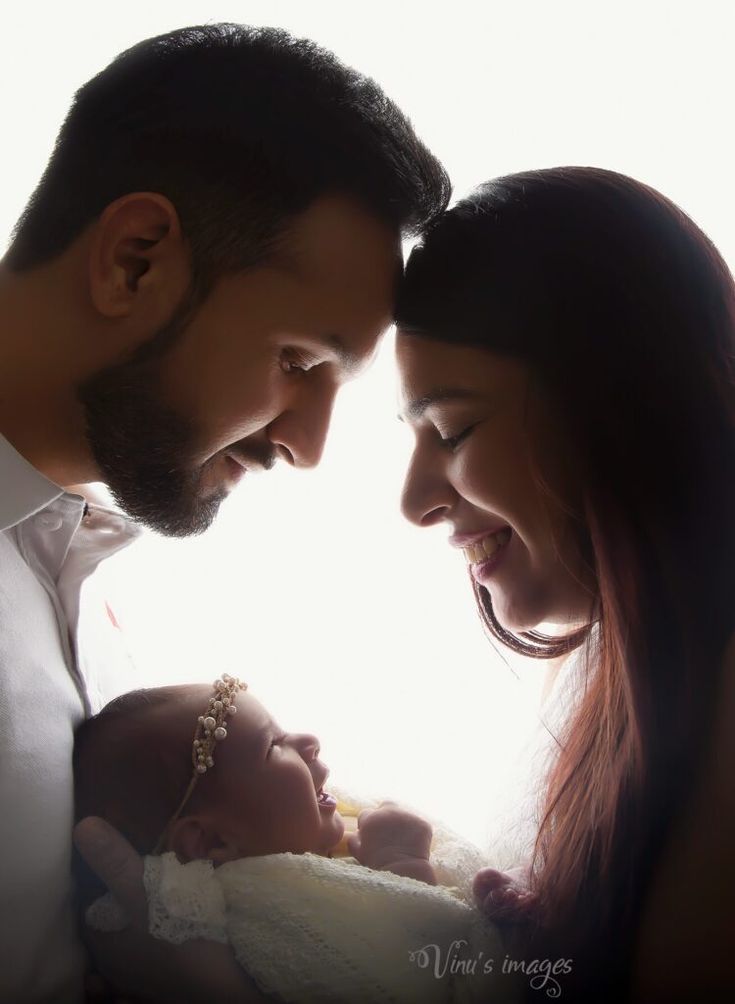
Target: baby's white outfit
x=312 y=929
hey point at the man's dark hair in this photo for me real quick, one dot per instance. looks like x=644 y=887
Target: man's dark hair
x=241 y=128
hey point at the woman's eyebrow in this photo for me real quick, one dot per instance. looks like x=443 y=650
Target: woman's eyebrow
x=439 y=395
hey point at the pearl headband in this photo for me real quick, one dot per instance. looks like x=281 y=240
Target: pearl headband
x=211 y=729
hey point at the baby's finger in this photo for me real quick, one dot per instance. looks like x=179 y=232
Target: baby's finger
x=500 y=899
x=353 y=845
x=119 y=866
x=487 y=881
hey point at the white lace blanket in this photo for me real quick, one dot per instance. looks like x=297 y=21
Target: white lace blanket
x=313 y=929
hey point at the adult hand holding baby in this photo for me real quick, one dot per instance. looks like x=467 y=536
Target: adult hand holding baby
x=393 y=839
x=138 y=966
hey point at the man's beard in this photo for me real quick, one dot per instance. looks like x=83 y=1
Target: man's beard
x=143 y=449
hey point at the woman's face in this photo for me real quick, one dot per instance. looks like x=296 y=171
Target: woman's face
x=475 y=421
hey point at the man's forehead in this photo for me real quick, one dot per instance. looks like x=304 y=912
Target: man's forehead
x=348 y=337
x=336 y=242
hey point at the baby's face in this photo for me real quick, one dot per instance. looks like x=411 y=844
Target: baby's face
x=266 y=788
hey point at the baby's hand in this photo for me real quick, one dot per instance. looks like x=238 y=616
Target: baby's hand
x=392 y=839
x=504 y=896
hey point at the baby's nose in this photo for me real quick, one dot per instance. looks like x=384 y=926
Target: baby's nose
x=308 y=745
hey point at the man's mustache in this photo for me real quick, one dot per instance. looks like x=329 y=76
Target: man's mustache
x=250 y=455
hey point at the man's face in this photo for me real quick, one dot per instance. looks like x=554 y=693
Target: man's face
x=251 y=377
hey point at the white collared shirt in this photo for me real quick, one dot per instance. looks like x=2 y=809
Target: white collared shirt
x=50 y=542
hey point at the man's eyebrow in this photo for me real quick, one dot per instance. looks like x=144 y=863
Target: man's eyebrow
x=439 y=395
x=348 y=359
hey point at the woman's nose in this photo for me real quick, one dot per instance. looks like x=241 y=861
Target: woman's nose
x=427 y=496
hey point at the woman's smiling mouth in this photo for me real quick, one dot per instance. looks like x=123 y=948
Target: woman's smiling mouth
x=479 y=551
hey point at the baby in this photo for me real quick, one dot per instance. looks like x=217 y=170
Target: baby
x=238 y=809
x=266 y=796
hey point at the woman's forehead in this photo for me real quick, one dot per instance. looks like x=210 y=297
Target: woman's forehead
x=419 y=356
x=435 y=372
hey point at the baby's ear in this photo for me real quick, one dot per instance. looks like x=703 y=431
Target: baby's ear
x=187 y=839
x=193 y=838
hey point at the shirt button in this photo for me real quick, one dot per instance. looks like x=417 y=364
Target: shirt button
x=49 y=521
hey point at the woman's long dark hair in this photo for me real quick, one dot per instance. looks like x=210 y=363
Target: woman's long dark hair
x=624 y=313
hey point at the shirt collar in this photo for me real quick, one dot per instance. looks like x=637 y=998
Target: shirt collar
x=25 y=490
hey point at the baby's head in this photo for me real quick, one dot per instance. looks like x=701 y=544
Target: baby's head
x=262 y=795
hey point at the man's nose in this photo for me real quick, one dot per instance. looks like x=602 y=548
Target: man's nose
x=427 y=496
x=300 y=431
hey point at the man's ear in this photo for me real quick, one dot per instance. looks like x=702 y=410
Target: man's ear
x=194 y=838
x=138 y=257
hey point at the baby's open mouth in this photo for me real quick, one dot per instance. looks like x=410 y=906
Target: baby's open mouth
x=324 y=798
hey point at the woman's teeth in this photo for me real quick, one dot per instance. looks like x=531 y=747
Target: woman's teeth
x=483 y=549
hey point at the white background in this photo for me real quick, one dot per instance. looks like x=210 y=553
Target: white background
x=346 y=620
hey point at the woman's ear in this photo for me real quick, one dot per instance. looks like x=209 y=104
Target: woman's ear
x=193 y=838
x=138 y=252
